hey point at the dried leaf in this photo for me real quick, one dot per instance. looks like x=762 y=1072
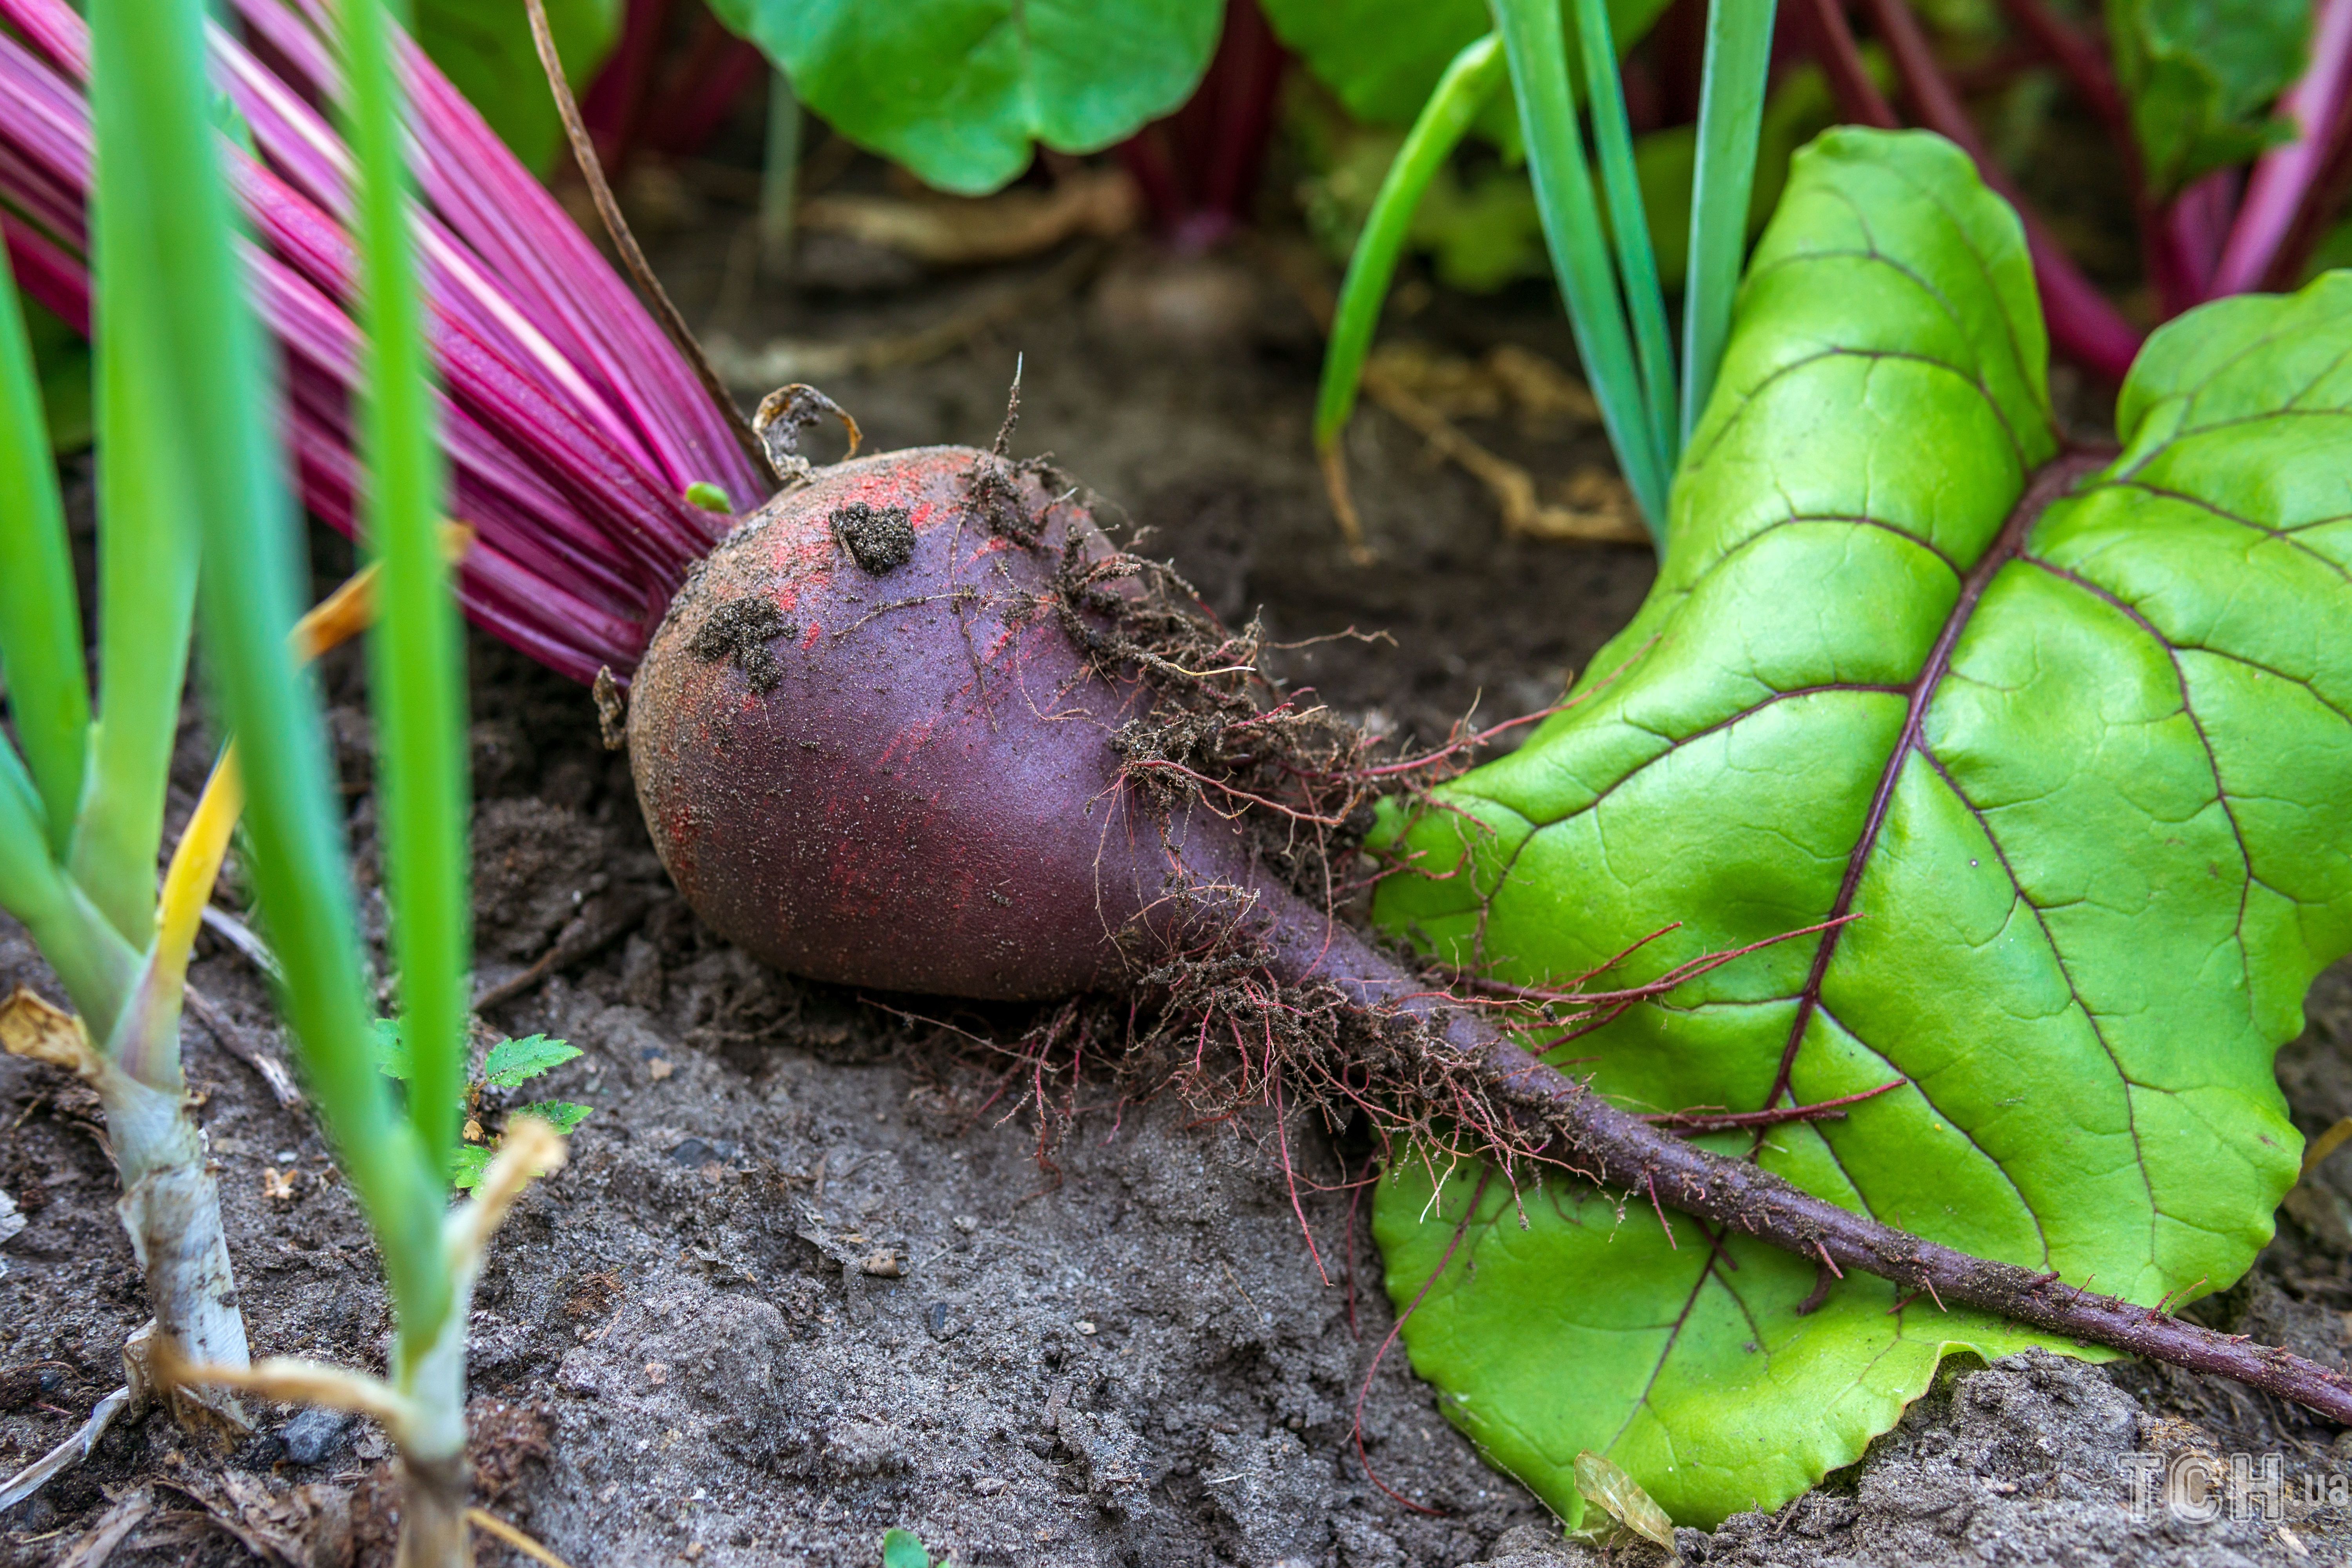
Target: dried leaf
x=948 y=231
x=1610 y=1489
x=2327 y=1144
x=98 y=1543
x=30 y=1027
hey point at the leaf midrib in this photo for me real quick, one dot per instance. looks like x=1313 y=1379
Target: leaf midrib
x=2052 y=481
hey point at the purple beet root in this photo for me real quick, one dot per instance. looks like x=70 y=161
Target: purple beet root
x=872 y=752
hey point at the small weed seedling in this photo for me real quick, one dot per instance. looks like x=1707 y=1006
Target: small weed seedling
x=507 y=1064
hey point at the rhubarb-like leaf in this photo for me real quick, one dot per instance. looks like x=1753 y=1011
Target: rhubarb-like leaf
x=961 y=90
x=2202 y=76
x=2066 y=741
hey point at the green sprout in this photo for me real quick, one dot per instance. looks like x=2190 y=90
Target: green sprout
x=168 y=247
x=1453 y=108
x=1606 y=269
x=82 y=788
x=509 y=1064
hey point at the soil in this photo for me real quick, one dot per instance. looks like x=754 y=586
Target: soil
x=803 y=1281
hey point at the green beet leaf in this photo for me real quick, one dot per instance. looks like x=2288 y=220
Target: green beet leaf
x=2081 y=775
x=961 y=90
x=486 y=52
x=2201 y=75
x=1382 y=58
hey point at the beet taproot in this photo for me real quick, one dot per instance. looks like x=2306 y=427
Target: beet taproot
x=871 y=752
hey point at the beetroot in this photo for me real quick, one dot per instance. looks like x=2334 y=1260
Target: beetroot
x=871 y=752
x=884 y=737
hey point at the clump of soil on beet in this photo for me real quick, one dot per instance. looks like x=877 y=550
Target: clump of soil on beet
x=878 y=539
x=741 y=633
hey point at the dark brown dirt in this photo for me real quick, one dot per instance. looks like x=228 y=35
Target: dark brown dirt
x=803 y=1283
x=740 y=632
x=877 y=539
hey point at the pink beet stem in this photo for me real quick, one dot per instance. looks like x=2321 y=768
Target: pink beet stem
x=2282 y=180
x=572 y=424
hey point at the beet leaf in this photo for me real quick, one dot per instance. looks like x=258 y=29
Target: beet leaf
x=1382 y=58
x=2068 y=739
x=961 y=92
x=2200 y=77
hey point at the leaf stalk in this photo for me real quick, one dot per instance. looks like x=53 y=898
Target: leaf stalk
x=2286 y=178
x=1536 y=49
x=1469 y=81
x=1730 y=119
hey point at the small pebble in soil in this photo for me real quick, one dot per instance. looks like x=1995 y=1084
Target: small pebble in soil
x=312 y=1434
x=696 y=1153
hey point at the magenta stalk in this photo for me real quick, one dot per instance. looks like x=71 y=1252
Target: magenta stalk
x=2285 y=177
x=573 y=427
